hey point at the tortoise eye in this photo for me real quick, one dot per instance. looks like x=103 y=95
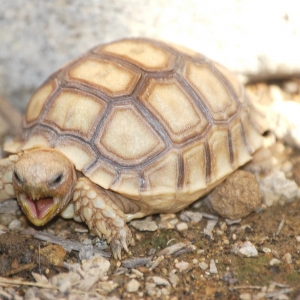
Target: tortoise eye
x=56 y=180
x=17 y=178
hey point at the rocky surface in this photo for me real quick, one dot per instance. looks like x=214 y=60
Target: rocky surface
x=258 y=40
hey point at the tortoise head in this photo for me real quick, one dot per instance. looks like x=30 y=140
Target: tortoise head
x=44 y=181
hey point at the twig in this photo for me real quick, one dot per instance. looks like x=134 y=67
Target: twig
x=20 y=269
x=277 y=293
x=4 y=294
x=280 y=226
x=240 y=287
x=20 y=282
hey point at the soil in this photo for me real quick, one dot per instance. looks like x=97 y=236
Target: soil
x=273 y=274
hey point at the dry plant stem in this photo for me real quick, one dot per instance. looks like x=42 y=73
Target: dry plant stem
x=22 y=268
x=20 y=282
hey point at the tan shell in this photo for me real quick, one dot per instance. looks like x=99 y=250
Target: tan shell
x=157 y=123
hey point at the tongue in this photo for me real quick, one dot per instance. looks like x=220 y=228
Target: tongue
x=42 y=206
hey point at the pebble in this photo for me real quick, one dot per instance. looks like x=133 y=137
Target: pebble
x=6 y=218
x=287 y=257
x=159 y=280
x=107 y=286
x=231 y=222
x=298 y=238
x=144 y=225
x=210 y=227
x=188 y=216
x=165 y=292
x=276 y=188
x=181 y=226
x=150 y=287
x=237 y=196
x=166 y=225
x=182 y=266
x=15 y=225
x=132 y=286
x=174 y=279
x=266 y=250
x=203 y=266
x=167 y=217
x=244 y=248
x=212 y=267
x=275 y=262
x=245 y=296
x=55 y=254
x=9 y=207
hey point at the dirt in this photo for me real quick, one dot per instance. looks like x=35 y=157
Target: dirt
x=273 y=274
x=20 y=256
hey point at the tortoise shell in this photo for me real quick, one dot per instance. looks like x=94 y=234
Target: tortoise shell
x=157 y=123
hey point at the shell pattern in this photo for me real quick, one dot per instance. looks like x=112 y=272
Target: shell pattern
x=157 y=123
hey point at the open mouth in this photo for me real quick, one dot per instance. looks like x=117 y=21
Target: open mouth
x=38 y=209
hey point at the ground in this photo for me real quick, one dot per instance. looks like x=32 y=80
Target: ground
x=177 y=259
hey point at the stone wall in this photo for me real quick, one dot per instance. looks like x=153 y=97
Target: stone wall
x=254 y=38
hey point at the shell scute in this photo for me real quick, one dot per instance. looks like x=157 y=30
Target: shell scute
x=108 y=76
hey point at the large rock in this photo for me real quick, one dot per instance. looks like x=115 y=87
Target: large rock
x=255 y=38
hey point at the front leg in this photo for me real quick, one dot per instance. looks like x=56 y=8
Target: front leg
x=96 y=206
x=6 y=171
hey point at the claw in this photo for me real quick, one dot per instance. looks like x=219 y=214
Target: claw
x=124 y=244
x=116 y=249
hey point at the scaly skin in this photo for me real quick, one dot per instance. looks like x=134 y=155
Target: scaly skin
x=45 y=184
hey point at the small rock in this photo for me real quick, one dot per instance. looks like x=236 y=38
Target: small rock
x=276 y=188
x=188 y=216
x=96 y=266
x=275 y=262
x=210 y=225
x=182 y=266
x=232 y=222
x=6 y=218
x=212 y=267
x=266 y=250
x=181 y=226
x=245 y=296
x=237 y=197
x=203 y=266
x=87 y=250
x=245 y=249
x=65 y=281
x=159 y=280
x=55 y=254
x=166 y=225
x=298 y=238
x=15 y=225
x=165 y=292
x=144 y=225
x=167 y=217
x=174 y=279
x=287 y=258
x=150 y=288
x=107 y=286
x=132 y=286
x=9 y=207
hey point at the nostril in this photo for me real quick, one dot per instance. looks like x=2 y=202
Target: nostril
x=17 y=178
x=57 y=179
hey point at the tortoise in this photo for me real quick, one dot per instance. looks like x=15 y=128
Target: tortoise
x=130 y=128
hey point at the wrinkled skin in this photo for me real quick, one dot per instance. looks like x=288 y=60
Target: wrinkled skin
x=45 y=184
